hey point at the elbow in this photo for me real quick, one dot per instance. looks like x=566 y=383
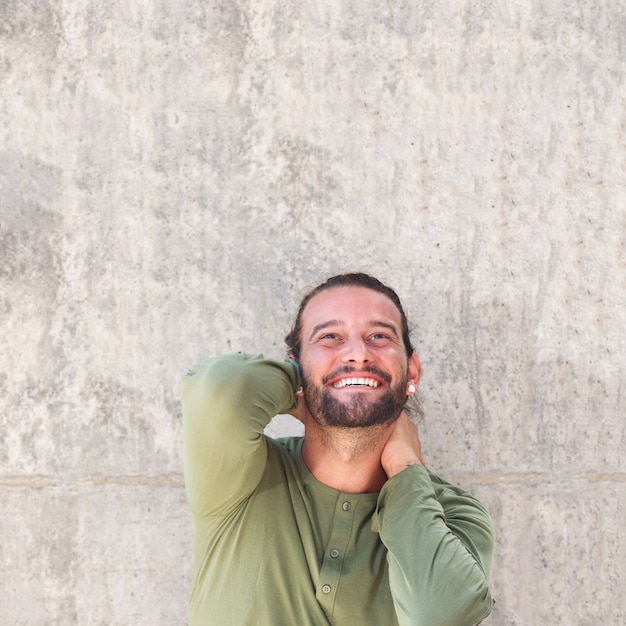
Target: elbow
x=462 y=609
x=215 y=386
x=465 y=604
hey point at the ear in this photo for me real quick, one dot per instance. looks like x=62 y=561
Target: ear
x=415 y=370
x=299 y=391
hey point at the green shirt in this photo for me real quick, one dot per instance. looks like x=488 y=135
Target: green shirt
x=273 y=546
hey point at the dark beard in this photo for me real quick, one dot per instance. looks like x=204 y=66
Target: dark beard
x=359 y=412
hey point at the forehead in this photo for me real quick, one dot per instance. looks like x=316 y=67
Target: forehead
x=350 y=305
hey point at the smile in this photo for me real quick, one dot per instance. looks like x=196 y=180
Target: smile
x=355 y=382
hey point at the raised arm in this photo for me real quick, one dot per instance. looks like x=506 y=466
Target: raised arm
x=227 y=401
x=439 y=540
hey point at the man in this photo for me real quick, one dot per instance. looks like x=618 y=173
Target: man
x=342 y=526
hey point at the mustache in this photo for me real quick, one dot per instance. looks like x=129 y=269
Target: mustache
x=371 y=369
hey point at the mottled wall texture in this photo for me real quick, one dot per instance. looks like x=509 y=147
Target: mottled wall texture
x=174 y=175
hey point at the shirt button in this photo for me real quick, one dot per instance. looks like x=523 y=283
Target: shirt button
x=334 y=553
x=326 y=588
x=345 y=506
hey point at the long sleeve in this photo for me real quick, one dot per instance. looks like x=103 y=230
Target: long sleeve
x=227 y=401
x=440 y=543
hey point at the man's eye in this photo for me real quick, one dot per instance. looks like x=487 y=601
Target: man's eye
x=380 y=336
x=328 y=336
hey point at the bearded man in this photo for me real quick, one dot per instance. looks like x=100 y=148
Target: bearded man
x=344 y=525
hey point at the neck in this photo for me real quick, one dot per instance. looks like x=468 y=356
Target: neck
x=346 y=459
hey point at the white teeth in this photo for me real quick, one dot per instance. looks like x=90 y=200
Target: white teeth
x=365 y=382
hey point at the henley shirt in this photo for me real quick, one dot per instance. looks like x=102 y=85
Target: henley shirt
x=275 y=547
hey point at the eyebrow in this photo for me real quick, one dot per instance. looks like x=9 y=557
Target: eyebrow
x=328 y=323
x=323 y=325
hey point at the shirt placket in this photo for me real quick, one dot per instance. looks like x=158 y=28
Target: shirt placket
x=335 y=552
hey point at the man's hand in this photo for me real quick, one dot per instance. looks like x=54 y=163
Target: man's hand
x=403 y=448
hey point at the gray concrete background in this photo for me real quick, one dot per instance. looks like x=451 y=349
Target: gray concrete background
x=174 y=175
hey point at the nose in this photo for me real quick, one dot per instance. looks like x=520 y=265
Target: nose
x=356 y=351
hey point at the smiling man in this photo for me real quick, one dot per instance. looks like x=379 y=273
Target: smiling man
x=345 y=525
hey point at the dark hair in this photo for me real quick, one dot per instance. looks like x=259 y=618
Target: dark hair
x=356 y=279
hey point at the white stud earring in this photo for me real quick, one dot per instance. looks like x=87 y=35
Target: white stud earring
x=411 y=388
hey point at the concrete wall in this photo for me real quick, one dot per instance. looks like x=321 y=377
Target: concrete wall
x=174 y=175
